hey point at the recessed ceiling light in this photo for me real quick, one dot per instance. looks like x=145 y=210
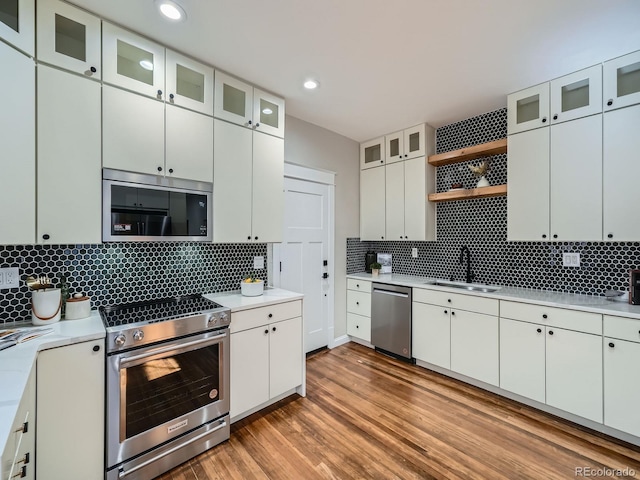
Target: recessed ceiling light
x=310 y=84
x=146 y=64
x=267 y=111
x=171 y=10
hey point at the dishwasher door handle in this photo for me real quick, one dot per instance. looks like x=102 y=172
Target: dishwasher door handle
x=389 y=292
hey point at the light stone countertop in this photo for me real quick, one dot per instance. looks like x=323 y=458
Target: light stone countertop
x=572 y=301
x=16 y=362
x=237 y=302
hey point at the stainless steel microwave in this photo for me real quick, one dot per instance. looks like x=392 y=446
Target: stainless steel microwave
x=138 y=207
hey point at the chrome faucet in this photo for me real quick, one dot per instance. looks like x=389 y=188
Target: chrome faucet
x=469 y=275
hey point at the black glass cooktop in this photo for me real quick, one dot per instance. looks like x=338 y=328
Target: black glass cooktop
x=156 y=310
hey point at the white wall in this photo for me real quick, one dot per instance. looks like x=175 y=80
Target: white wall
x=315 y=147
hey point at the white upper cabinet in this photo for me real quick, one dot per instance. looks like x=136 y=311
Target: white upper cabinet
x=405 y=144
x=241 y=103
x=17 y=24
x=528 y=109
x=132 y=62
x=69 y=38
x=372 y=153
x=394 y=201
x=268 y=113
x=372 y=204
x=576 y=95
x=18 y=158
x=189 y=83
x=621 y=86
x=188 y=145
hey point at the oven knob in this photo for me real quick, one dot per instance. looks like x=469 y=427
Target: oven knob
x=120 y=340
x=223 y=317
x=138 y=335
x=212 y=321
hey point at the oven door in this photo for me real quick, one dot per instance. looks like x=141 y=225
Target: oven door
x=160 y=392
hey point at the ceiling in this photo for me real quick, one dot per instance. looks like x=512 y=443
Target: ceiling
x=385 y=65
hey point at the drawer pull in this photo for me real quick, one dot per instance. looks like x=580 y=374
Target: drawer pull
x=449 y=300
x=539 y=330
x=270 y=315
x=266 y=332
x=358 y=285
x=544 y=315
x=357 y=303
x=550 y=332
x=611 y=344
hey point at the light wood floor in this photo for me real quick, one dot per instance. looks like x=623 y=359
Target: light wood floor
x=370 y=416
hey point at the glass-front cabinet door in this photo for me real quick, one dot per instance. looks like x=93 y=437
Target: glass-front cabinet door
x=394 y=147
x=528 y=109
x=17 y=24
x=414 y=142
x=233 y=100
x=69 y=38
x=372 y=153
x=576 y=95
x=189 y=83
x=268 y=113
x=622 y=81
x=132 y=62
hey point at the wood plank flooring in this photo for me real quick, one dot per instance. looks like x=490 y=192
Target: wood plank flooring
x=370 y=416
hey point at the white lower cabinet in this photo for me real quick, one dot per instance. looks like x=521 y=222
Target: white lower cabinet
x=69 y=160
x=621 y=385
x=431 y=334
x=574 y=372
x=359 y=326
x=474 y=346
x=267 y=359
x=522 y=358
x=70 y=409
x=359 y=309
x=18 y=457
x=18 y=158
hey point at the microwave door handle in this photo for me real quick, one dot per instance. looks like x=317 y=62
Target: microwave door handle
x=123 y=474
x=174 y=349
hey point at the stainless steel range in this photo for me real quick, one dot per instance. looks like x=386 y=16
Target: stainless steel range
x=167 y=383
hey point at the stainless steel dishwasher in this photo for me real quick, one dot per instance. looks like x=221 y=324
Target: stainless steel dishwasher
x=391 y=319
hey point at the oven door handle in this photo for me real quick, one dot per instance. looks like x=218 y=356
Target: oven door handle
x=122 y=473
x=185 y=347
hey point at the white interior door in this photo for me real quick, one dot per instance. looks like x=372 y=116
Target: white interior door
x=302 y=254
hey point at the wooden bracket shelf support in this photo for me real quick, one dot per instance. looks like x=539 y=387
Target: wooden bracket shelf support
x=492 y=191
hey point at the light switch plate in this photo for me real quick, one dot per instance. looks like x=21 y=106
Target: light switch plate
x=9 y=278
x=570 y=259
x=258 y=263
x=414 y=252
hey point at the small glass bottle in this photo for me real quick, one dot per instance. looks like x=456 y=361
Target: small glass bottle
x=64 y=293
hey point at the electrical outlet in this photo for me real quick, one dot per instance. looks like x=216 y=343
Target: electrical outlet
x=414 y=252
x=9 y=278
x=570 y=259
x=258 y=263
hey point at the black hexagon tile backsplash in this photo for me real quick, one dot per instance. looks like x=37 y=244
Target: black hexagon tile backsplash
x=481 y=224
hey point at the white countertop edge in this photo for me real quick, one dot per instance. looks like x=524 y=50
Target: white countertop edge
x=571 y=301
x=16 y=362
x=237 y=302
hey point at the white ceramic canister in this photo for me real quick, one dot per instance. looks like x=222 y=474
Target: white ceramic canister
x=253 y=289
x=45 y=306
x=77 y=307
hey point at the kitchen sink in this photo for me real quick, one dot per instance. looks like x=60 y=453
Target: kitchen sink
x=471 y=287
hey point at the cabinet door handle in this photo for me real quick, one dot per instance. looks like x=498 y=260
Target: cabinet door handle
x=544 y=235
x=449 y=300
x=171 y=96
x=159 y=169
x=544 y=315
x=550 y=332
x=358 y=285
x=24 y=428
x=96 y=348
x=382 y=238
x=555 y=117
x=91 y=71
x=539 y=330
x=46 y=236
x=271 y=315
x=256 y=238
x=257 y=125
x=446 y=312
x=22 y=473
x=610 y=102
x=452 y=312
x=171 y=170
x=273 y=329
x=611 y=344
x=26 y=459
x=357 y=303
x=357 y=326
x=544 y=119
x=266 y=332
x=249 y=237
x=159 y=93
x=610 y=235
x=555 y=235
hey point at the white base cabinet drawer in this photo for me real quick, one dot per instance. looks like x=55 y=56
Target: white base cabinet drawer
x=621 y=385
x=471 y=303
x=474 y=346
x=623 y=328
x=246 y=319
x=431 y=334
x=359 y=285
x=359 y=303
x=551 y=316
x=359 y=326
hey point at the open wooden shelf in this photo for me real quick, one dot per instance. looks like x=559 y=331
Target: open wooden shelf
x=491 y=191
x=477 y=151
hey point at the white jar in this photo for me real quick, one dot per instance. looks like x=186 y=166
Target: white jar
x=45 y=306
x=77 y=307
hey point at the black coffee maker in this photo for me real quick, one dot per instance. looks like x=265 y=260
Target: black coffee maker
x=634 y=287
x=369 y=258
